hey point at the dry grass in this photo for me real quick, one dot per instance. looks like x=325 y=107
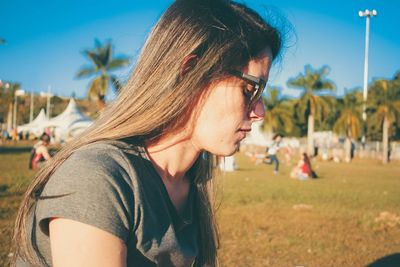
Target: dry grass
x=14 y=178
x=348 y=217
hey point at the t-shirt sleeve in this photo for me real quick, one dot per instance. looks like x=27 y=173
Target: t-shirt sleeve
x=90 y=187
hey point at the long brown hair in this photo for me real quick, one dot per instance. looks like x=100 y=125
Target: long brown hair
x=156 y=99
x=307 y=161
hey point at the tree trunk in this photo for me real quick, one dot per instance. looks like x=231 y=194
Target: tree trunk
x=101 y=103
x=9 y=117
x=385 y=140
x=310 y=135
x=347 y=149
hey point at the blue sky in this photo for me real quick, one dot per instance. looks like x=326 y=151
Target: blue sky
x=45 y=39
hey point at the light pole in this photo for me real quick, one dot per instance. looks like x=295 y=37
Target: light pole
x=367 y=14
x=31 y=108
x=17 y=93
x=10 y=110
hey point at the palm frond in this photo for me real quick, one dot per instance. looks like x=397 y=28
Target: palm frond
x=117 y=63
x=312 y=80
x=117 y=85
x=96 y=59
x=85 y=72
x=105 y=55
x=278 y=112
x=349 y=120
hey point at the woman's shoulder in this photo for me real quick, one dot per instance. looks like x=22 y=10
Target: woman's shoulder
x=106 y=152
x=102 y=165
x=99 y=161
x=95 y=185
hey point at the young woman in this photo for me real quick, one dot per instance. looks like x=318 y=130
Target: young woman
x=134 y=189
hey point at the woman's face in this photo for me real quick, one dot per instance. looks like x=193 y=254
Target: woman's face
x=225 y=117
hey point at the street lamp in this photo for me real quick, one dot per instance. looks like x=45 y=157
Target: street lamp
x=367 y=14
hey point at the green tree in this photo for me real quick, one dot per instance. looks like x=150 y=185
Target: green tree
x=310 y=104
x=278 y=115
x=349 y=121
x=384 y=105
x=103 y=63
x=8 y=90
x=329 y=119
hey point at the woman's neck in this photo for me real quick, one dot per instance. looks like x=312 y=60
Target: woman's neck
x=172 y=156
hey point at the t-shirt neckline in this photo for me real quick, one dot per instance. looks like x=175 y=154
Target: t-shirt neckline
x=186 y=217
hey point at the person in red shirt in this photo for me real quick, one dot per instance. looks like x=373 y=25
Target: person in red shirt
x=303 y=170
x=40 y=153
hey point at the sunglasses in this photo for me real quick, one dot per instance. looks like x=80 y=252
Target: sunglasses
x=256 y=88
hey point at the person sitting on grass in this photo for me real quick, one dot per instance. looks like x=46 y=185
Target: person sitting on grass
x=39 y=152
x=303 y=169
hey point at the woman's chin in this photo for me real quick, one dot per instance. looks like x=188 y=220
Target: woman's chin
x=229 y=151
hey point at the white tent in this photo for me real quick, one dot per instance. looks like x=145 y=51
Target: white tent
x=67 y=124
x=70 y=121
x=35 y=126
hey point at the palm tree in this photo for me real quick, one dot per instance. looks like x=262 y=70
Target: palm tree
x=278 y=115
x=384 y=104
x=349 y=121
x=311 y=105
x=103 y=63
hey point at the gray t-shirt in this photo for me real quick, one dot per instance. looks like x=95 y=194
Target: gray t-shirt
x=113 y=186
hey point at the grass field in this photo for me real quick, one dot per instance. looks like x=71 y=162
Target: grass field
x=350 y=216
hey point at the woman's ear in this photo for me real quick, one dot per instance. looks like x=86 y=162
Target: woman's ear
x=188 y=63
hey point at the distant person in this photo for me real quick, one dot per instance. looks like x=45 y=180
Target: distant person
x=39 y=152
x=272 y=150
x=303 y=170
x=5 y=135
x=266 y=156
x=316 y=149
x=14 y=134
x=135 y=189
x=353 y=149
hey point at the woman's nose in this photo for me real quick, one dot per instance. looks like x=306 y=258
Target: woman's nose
x=257 y=111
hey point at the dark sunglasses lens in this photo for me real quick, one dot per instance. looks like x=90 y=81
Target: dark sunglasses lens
x=259 y=88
